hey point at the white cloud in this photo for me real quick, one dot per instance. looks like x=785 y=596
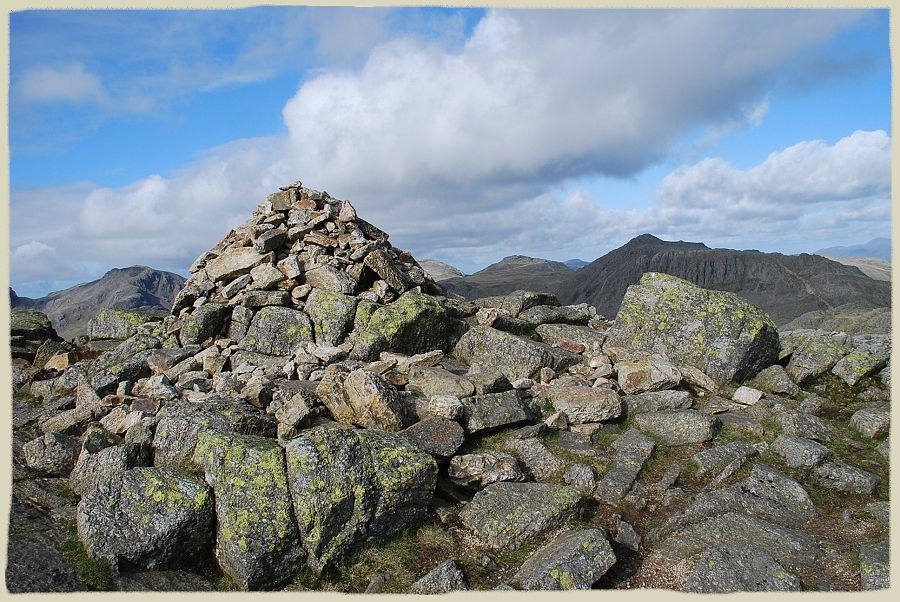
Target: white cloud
x=60 y=83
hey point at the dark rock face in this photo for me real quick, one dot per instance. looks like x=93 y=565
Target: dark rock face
x=784 y=286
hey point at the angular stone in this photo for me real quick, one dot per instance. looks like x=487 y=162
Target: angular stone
x=477 y=471
x=678 y=427
x=632 y=450
x=552 y=334
x=798 y=452
x=203 y=323
x=277 y=331
x=581 y=477
x=774 y=379
x=270 y=240
x=812 y=352
x=161 y=360
x=439 y=437
x=803 y=425
x=843 y=477
x=153 y=518
x=445 y=577
x=93 y=469
x=875 y=565
x=381 y=263
x=374 y=402
x=257 y=540
x=585 y=404
x=265 y=276
x=539 y=460
x=331 y=314
x=255 y=299
x=331 y=279
x=717 y=458
x=447 y=407
x=747 y=396
x=53 y=453
x=434 y=381
x=506 y=515
x=573 y=560
x=655 y=401
x=232 y=263
x=350 y=486
x=513 y=356
x=726 y=569
x=486 y=412
x=642 y=376
x=871 y=423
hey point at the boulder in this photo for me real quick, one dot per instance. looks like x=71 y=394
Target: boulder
x=747 y=396
x=714 y=459
x=714 y=331
x=257 y=540
x=233 y=263
x=552 y=334
x=727 y=569
x=434 y=381
x=678 y=427
x=439 y=437
x=642 y=376
x=540 y=461
x=352 y=486
x=868 y=355
x=506 y=515
x=871 y=422
x=843 y=477
x=798 y=452
x=812 y=352
x=803 y=425
x=479 y=470
x=585 y=404
x=493 y=410
x=632 y=450
x=153 y=518
x=875 y=565
x=573 y=560
x=655 y=401
x=774 y=379
x=515 y=357
x=445 y=577
x=277 y=331
x=53 y=453
x=114 y=324
x=331 y=314
x=373 y=402
x=108 y=463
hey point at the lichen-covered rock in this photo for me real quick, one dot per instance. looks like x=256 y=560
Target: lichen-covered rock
x=28 y=330
x=330 y=279
x=540 y=461
x=414 y=323
x=803 y=425
x=654 y=401
x=94 y=469
x=582 y=478
x=434 y=381
x=53 y=453
x=875 y=565
x=493 y=410
x=552 y=334
x=812 y=352
x=868 y=355
x=277 y=331
x=717 y=332
x=585 y=404
x=479 y=470
x=445 y=577
x=651 y=375
x=373 y=402
x=439 y=437
x=843 y=477
x=114 y=324
x=232 y=263
x=798 y=452
x=153 y=518
x=203 y=323
x=632 y=450
x=574 y=560
x=727 y=569
x=181 y=423
x=774 y=379
x=506 y=515
x=714 y=459
x=678 y=427
x=871 y=422
x=350 y=486
x=515 y=357
x=257 y=541
x=331 y=314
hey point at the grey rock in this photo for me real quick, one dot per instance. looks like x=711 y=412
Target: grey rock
x=506 y=515
x=433 y=381
x=774 y=379
x=726 y=569
x=493 y=410
x=254 y=298
x=642 y=376
x=581 y=477
x=265 y=276
x=53 y=453
x=94 y=469
x=487 y=380
x=632 y=450
x=574 y=560
x=875 y=565
x=439 y=406
x=747 y=396
x=270 y=240
x=868 y=355
x=803 y=425
x=331 y=279
x=884 y=448
x=627 y=536
x=677 y=427
x=381 y=263
x=331 y=314
x=35 y=565
x=257 y=540
x=513 y=356
x=349 y=486
x=881 y=511
x=585 y=404
x=445 y=577
x=203 y=323
x=714 y=331
x=798 y=452
x=714 y=459
x=161 y=360
x=812 y=352
x=150 y=517
x=294 y=413
x=843 y=477
x=552 y=334
x=539 y=460
x=479 y=470
x=163 y=581
x=277 y=331
x=232 y=263
x=374 y=402
x=439 y=437
x=871 y=422
x=655 y=401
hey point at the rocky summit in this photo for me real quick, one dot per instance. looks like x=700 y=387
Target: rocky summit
x=316 y=413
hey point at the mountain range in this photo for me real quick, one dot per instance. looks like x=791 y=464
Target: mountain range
x=877 y=248
x=135 y=288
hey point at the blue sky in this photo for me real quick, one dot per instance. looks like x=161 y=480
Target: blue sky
x=140 y=137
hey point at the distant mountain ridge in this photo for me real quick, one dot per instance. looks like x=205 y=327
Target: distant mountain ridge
x=785 y=286
x=509 y=274
x=135 y=288
x=877 y=248
x=575 y=264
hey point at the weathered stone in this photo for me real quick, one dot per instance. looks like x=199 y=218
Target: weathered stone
x=747 y=396
x=486 y=412
x=203 y=323
x=573 y=560
x=585 y=404
x=331 y=279
x=726 y=569
x=350 y=486
x=257 y=540
x=677 y=427
x=232 y=263
x=257 y=299
x=487 y=380
x=581 y=477
x=627 y=536
x=479 y=470
x=114 y=324
x=277 y=331
x=161 y=360
x=381 y=263
x=803 y=425
x=799 y=452
x=374 y=402
x=843 y=477
x=153 y=518
x=447 y=407
x=868 y=355
x=265 y=276
x=774 y=379
x=714 y=459
x=439 y=437
x=270 y=240
x=654 y=401
x=870 y=422
x=93 y=469
x=506 y=515
x=641 y=376
x=294 y=414
x=514 y=356
x=331 y=314
x=632 y=450
x=812 y=352
x=445 y=577
x=53 y=453
x=540 y=461
x=875 y=565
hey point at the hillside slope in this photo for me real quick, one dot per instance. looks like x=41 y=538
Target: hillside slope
x=516 y=272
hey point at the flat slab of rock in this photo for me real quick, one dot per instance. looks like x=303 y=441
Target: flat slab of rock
x=812 y=352
x=716 y=458
x=716 y=332
x=552 y=334
x=871 y=422
x=153 y=518
x=875 y=565
x=803 y=425
x=434 y=381
x=585 y=404
x=479 y=470
x=539 y=460
x=93 y=469
x=232 y=263
x=439 y=437
x=774 y=379
x=350 y=486
x=655 y=401
x=257 y=540
x=445 y=577
x=641 y=376
x=845 y=478
x=53 y=453
x=506 y=515
x=727 y=569
x=493 y=410
x=632 y=450
x=678 y=427
x=574 y=560
x=798 y=452
x=515 y=357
